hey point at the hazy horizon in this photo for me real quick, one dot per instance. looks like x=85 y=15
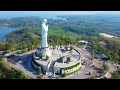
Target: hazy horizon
x=11 y=14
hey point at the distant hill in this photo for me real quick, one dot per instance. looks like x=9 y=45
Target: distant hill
x=21 y=21
x=79 y=24
x=66 y=26
x=107 y=23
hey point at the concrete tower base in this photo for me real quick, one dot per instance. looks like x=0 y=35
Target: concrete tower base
x=46 y=51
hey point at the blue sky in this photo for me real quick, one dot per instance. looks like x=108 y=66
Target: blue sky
x=61 y=12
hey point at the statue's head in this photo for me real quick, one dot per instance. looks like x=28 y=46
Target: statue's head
x=44 y=21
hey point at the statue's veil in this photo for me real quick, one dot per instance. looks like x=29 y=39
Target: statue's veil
x=44 y=21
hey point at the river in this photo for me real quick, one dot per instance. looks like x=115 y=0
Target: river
x=4 y=31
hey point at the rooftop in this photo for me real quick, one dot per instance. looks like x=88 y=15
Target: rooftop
x=45 y=63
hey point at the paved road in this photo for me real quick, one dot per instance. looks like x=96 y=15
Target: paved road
x=112 y=67
x=88 y=63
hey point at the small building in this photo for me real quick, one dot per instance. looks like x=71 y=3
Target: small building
x=89 y=49
x=83 y=41
x=103 y=57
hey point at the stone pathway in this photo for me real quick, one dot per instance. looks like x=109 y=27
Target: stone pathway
x=51 y=69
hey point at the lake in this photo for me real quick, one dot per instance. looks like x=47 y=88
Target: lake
x=4 y=31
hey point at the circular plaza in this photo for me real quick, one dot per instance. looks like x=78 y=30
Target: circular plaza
x=63 y=61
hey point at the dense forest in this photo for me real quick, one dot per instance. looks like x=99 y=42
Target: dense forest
x=28 y=32
x=69 y=31
x=108 y=50
x=30 y=37
x=66 y=26
x=106 y=23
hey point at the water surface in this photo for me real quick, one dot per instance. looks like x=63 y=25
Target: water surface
x=4 y=31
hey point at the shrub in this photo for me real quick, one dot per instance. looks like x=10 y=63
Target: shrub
x=116 y=75
x=1 y=56
x=7 y=72
x=105 y=69
x=23 y=51
x=68 y=59
x=47 y=58
x=1 y=59
x=54 y=46
x=9 y=51
x=61 y=59
x=16 y=74
x=71 y=66
x=66 y=48
x=40 y=55
x=19 y=52
x=39 y=71
x=71 y=48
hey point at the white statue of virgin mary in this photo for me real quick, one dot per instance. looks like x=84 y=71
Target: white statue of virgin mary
x=44 y=33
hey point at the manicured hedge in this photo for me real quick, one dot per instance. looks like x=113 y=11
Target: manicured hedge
x=71 y=66
x=70 y=73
